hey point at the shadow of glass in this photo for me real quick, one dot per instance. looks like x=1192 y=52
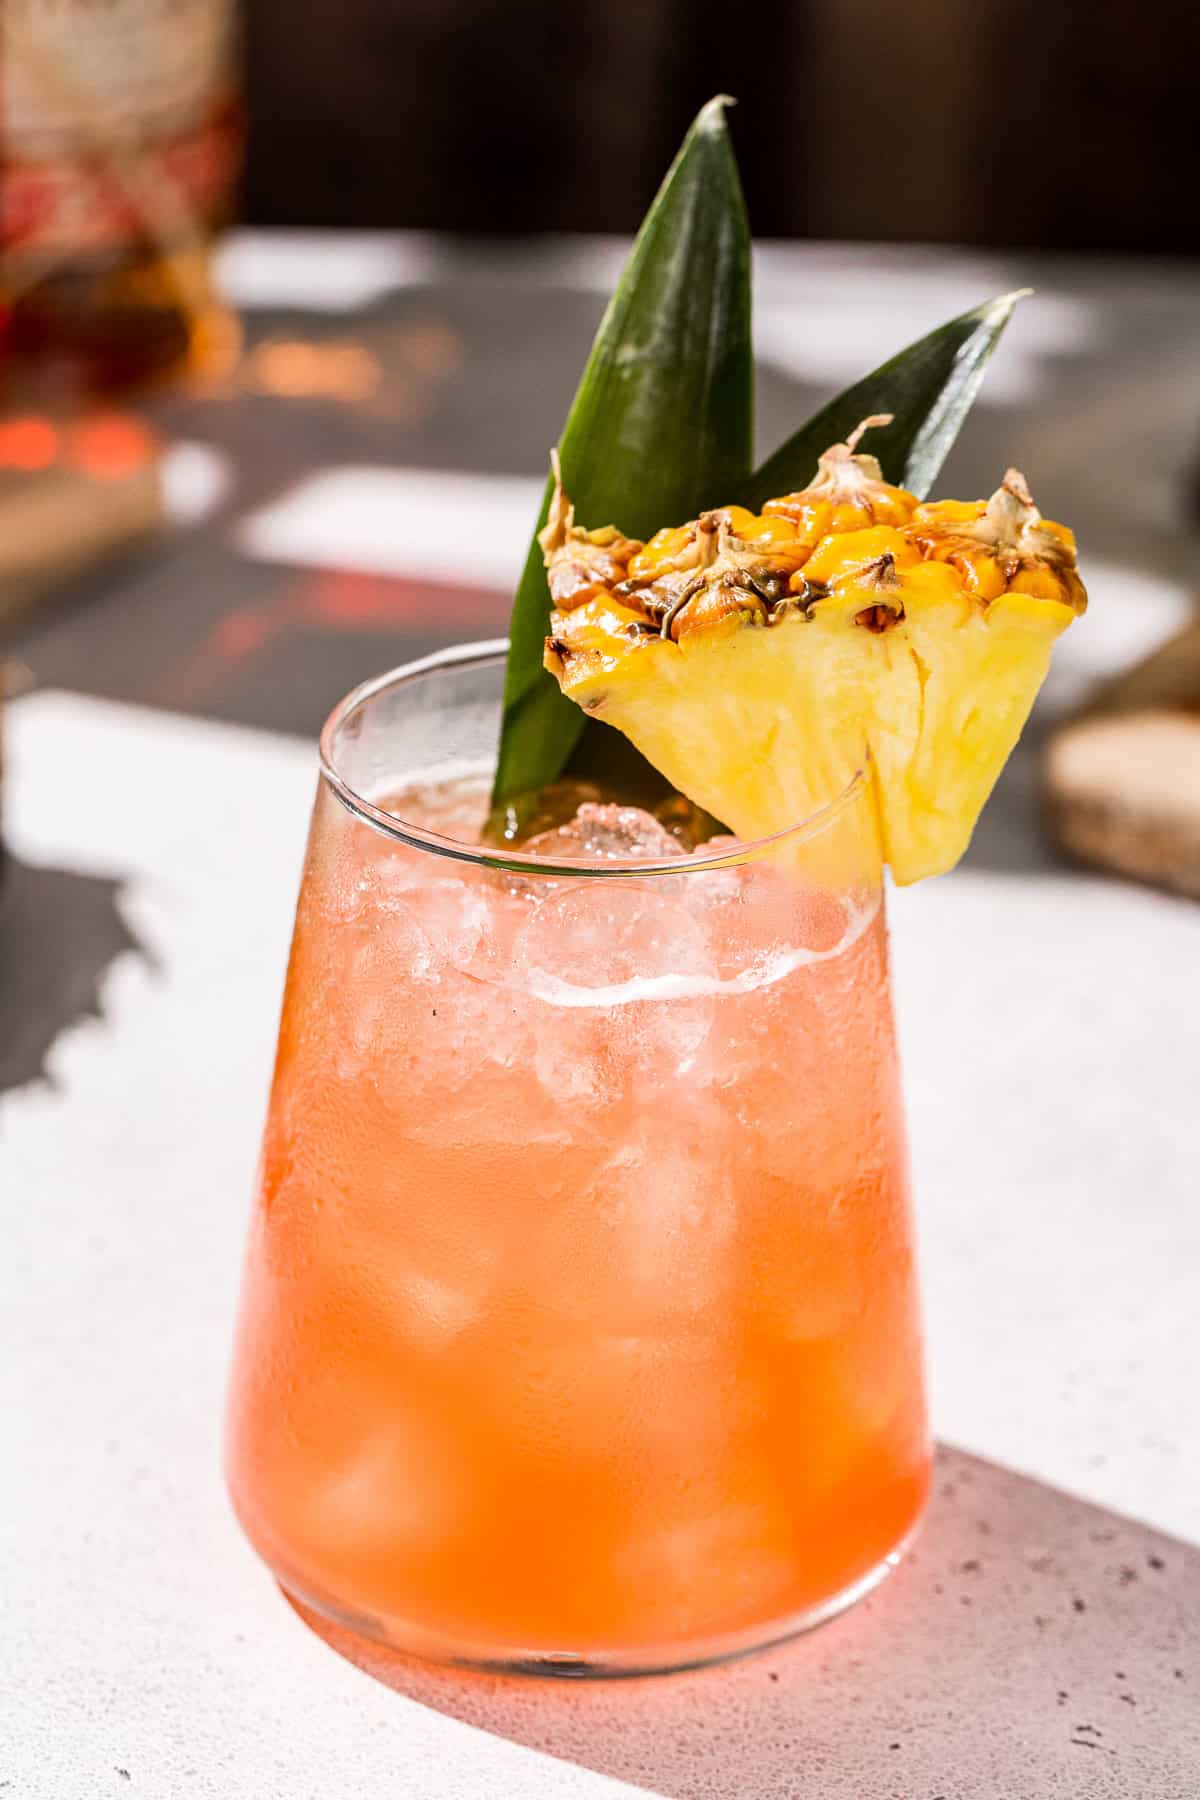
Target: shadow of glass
x=1029 y=1644
x=59 y=932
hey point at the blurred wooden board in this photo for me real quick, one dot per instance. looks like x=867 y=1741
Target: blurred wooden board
x=57 y=522
x=1122 y=779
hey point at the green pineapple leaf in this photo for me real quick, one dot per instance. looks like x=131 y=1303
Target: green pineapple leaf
x=928 y=388
x=661 y=425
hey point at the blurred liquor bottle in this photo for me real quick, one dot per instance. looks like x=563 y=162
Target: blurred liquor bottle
x=120 y=141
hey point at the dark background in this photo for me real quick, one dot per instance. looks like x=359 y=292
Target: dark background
x=1049 y=123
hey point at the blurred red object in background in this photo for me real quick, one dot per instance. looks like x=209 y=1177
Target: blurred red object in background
x=120 y=143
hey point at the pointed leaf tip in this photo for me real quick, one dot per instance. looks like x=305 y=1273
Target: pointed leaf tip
x=712 y=114
x=1003 y=305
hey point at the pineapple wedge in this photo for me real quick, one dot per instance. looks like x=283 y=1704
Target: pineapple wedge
x=760 y=661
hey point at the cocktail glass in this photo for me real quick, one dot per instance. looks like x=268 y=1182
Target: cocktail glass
x=579 y=1328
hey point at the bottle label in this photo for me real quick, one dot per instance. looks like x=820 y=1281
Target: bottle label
x=116 y=121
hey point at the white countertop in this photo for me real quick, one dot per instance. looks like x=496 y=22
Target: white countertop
x=1050 y=1056
x=1037 y=1643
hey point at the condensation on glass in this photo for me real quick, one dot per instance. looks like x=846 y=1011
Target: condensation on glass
x=579 y=1324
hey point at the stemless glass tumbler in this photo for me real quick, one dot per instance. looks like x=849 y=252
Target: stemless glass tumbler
x=579 y=1327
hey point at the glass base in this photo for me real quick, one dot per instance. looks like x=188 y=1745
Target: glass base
x=596 y=1665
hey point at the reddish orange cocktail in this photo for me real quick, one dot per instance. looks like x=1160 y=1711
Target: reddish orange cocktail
x=579 y=1324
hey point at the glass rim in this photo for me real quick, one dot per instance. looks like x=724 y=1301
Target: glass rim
x=418 y=837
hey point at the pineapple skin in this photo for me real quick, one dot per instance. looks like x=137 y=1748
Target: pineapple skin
x=760 y=670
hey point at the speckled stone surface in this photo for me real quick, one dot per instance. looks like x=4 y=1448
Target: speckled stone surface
x=1029 y=1645
x=1035 y=1644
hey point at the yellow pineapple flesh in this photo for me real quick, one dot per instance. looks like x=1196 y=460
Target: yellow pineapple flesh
x=760 y=661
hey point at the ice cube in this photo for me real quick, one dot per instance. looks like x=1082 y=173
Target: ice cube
x=608 y=834
x=611 y=944
x=687 y=823
x=451 y=901
x=391 y=1484
x=475 y=1047
x=453 y=911
x=625 y=1397
x=454 y=809
x=625 y=977
x=546 y=809
x=385 y=960
x=648 y=1235
x=709 y=1555
x=764 y=922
